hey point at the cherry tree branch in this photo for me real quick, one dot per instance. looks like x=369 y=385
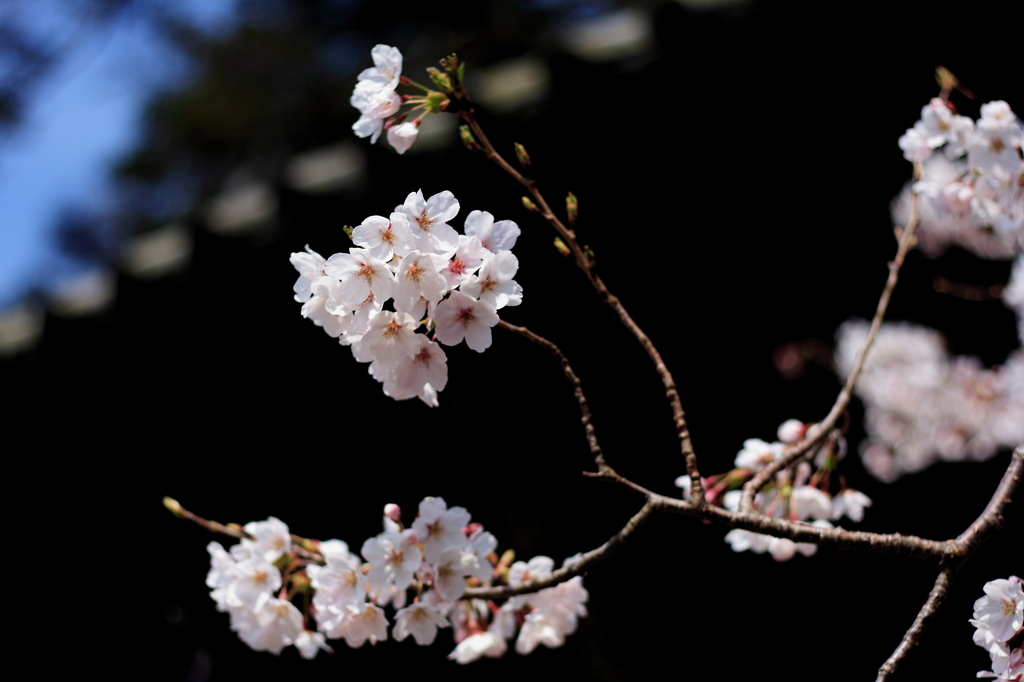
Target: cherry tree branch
x=303 y=547
x=577 y=567
x=924 y=617
x=818 y=431
x=585 y=262
x=585 y=416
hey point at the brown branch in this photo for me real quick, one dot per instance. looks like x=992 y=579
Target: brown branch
x=818 y=431
x=585 y=416
x=586 y=264
x=578 y=567
x=924 y=617
x=992 y=518
x=300 y=545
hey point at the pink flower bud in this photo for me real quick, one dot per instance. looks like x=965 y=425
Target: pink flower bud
x=393 y=512
x=792 y=430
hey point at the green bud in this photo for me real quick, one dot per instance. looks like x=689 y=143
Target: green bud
x=284 y=561
x=436 y=102
x=300 y=582
x=561 y=247
x=508 y=557
x=529 y=205
x=589 y=255
x=572 y=207
x=173 y=506
x=462 y=72
x=524 y=158
x=348 y=229
x=440 y=80
x=467 y=138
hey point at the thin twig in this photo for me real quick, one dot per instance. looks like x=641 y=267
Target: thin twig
x=993 y=517
x=585 y=416
x=924 y=616
x=586 y=264
x=818 y=431
x=578 y=567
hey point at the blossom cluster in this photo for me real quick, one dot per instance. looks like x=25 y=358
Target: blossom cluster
x=346 y=594
x=974 y=201
x=451 y=284
x=375 y=98
x=800 y=494
x=923 y=405
x=998 y=619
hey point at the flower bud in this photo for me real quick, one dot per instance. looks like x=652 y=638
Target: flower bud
x=792 y=430
x=572 y=208
x=467 y=138
x=524 y=158
x=301 y=582
x=393 y=512
x=561 y=247
x=436 y=103
x=529 y=205
x=173 y=506
x=441 y=80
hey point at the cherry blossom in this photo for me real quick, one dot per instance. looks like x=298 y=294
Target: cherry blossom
x=428 y=218
x=403 y=135
x=460 y=317
x=420 y=620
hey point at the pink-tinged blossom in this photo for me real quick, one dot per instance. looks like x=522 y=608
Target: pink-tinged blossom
x=494 y=283
x=460 y=317
x=419 y=282
x=256 y=580
x=385 y=72
x=394 y=556
x=310 y=266
x=270 y=628
x=439 y=528
x=997 y=139
x=939 y=125
x=428 y=218
x=915 y=145
x=310 y=643
x=482 y=543
x=363 y=622
x=420 y=620
x=409 y=376
x=493 y=236
x=1001 y=609
x=272 y=538
x=810 y=503
x=1009 y=667
x=391 y=337
x=538 y=567
x=851 y=503
x=481 y=644
x=327 y=308
x=757 y=454
x=403 y=135
x=791 y=431
x=453 y=565
x=384 y=237
x=465 y=261
x=360 y=275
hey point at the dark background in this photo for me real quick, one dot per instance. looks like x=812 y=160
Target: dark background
x=734 y=185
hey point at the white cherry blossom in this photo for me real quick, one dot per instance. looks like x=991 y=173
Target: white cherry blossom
x=493 y=236
x=421 y=620
x=494 y=283
x=428 y=218
x=471 y=648
x=403 y=135
x=310 y=266
x=460 y=317
x=385 y=72
x=360 y=275
x=439 y=527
